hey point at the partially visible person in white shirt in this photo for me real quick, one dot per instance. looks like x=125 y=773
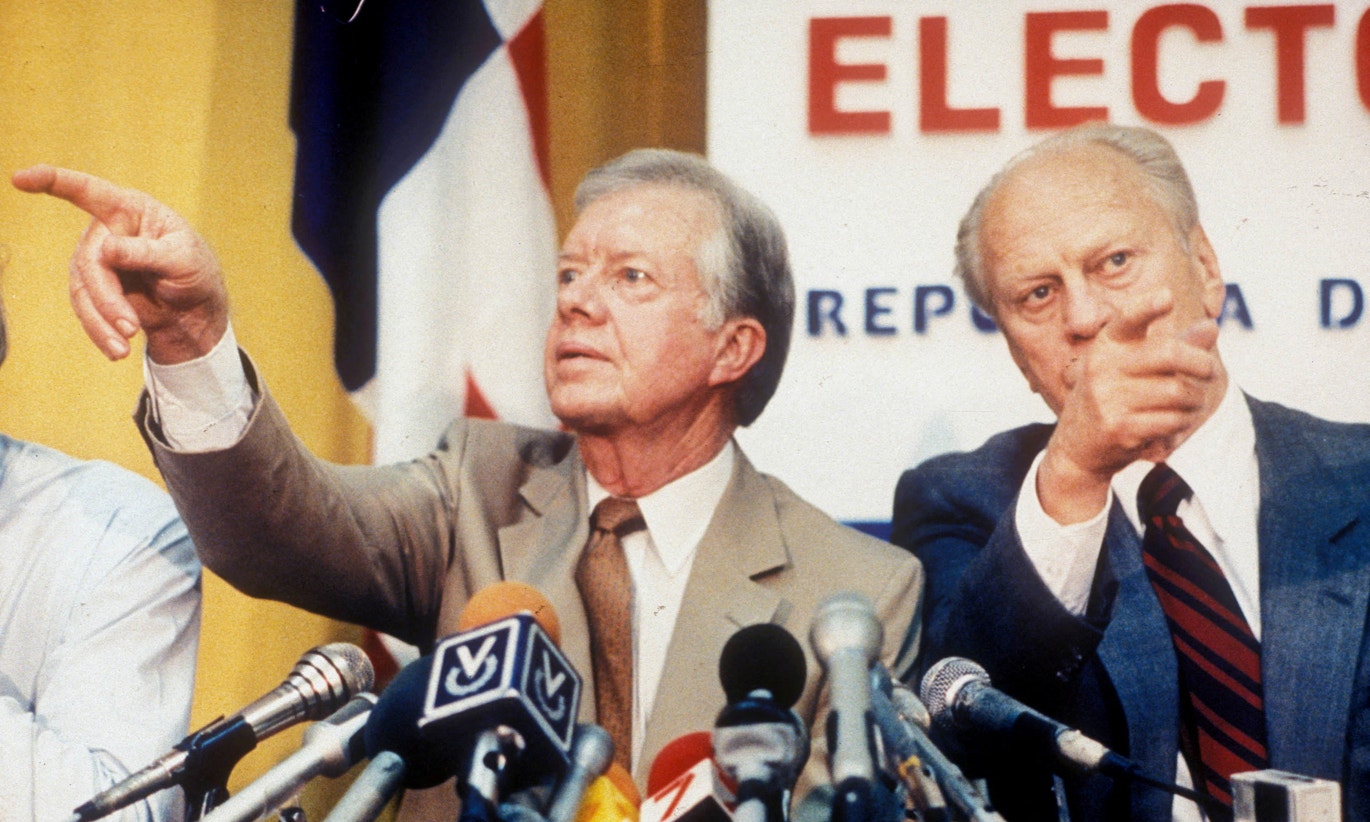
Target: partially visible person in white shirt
x=99 y=624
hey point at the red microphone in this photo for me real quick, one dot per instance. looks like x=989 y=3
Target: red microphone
x=684 y=786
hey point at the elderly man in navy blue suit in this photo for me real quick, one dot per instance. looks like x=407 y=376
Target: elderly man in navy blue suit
x=1174 y=567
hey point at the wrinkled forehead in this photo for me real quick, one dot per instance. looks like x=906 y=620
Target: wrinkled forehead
x=1035 y=196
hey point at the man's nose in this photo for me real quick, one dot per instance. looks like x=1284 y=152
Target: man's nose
x=1087 y=310
x=582 y=295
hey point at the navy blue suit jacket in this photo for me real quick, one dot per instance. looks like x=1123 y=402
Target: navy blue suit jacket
x=1112 y=673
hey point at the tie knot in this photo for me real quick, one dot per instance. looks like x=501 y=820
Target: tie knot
x=618 y=516
x=1161 y=493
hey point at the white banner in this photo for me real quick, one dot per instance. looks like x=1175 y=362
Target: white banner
x=869 y=126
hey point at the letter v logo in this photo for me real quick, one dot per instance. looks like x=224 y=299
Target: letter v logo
x=550 y=683
x=471 y=663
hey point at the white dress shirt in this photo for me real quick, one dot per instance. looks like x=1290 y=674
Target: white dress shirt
x=99 y=623
x=204 y=404
x=659 y=560
x=1218 y=461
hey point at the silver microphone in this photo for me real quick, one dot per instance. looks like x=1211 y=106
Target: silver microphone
x=846 y=638
x=330 y=747
x=959 y=694
x=592 y=749
x=322 y=681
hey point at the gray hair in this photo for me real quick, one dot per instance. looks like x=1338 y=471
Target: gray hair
x=1152 y=153
x=745 y=267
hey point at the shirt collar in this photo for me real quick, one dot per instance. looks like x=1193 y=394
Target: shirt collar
x=678 y=513
x=1213 y=461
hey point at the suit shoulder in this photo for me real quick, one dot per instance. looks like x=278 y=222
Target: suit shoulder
x=806 y=526
x=976 y=484
x=1344 y=442
x=486 y=440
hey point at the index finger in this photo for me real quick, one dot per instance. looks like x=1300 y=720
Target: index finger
x=1132 y=321
x=96 y=196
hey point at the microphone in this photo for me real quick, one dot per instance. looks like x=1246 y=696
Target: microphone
x=846 y=638
x=677 y=757
x=330 y=747
x=499 y=693
x=400 y=756
x=927 y=774
x=503 y=651
x=322 y=680
x=759 y=743
x=611 y=797
x=959 y=695
x=684 y=785
x=592 y=750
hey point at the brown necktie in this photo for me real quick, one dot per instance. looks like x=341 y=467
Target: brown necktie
x=607 y=590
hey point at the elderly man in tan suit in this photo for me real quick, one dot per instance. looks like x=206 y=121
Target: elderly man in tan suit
x=674 y=307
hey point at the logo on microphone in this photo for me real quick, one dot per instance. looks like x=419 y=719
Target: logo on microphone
x=550 y=677
x=473 y=671
x=507 y=672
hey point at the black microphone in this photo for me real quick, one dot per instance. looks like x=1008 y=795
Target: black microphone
x=959 y=695
x=758 y=741
x=846 y=637
x=322 y=681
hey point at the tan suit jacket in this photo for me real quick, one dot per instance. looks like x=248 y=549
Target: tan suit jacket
x=401 y=548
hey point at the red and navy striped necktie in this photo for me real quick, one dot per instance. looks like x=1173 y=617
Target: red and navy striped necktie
x=1222 y=708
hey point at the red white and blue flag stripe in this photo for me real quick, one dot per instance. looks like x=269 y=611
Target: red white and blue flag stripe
x=421 y=195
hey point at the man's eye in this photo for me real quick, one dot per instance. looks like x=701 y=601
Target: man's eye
x=633 y=275
x=1037 y=295
x=1118 y=258
x=566 y=276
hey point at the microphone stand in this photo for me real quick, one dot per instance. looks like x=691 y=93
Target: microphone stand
x=490 y=758
x=211 y=754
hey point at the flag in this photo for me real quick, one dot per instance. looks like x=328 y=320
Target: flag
x=421 y=195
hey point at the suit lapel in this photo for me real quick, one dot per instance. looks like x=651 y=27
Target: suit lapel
x=542 y=550
x=741 y=543
x=1137 y=653
x=1315 y=580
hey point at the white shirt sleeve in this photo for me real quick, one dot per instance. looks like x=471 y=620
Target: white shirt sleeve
x=1064 y=555
x=202 y=404
x=98 y=663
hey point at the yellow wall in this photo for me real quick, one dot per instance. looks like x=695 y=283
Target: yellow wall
x=188 y=101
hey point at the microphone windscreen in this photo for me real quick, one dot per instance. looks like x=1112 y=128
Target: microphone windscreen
x=610 y=798
x=623 y=781
x=763 y=656
x=677 y=757
x=394 y=726
x=504 y=599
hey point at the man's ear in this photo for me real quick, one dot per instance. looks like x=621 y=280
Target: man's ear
x=740 y=344
x=1211 y=279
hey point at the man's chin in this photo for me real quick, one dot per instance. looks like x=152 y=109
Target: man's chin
x=582 y=418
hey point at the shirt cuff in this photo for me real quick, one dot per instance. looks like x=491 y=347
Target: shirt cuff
x=202 y=404
x=1064 y=555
